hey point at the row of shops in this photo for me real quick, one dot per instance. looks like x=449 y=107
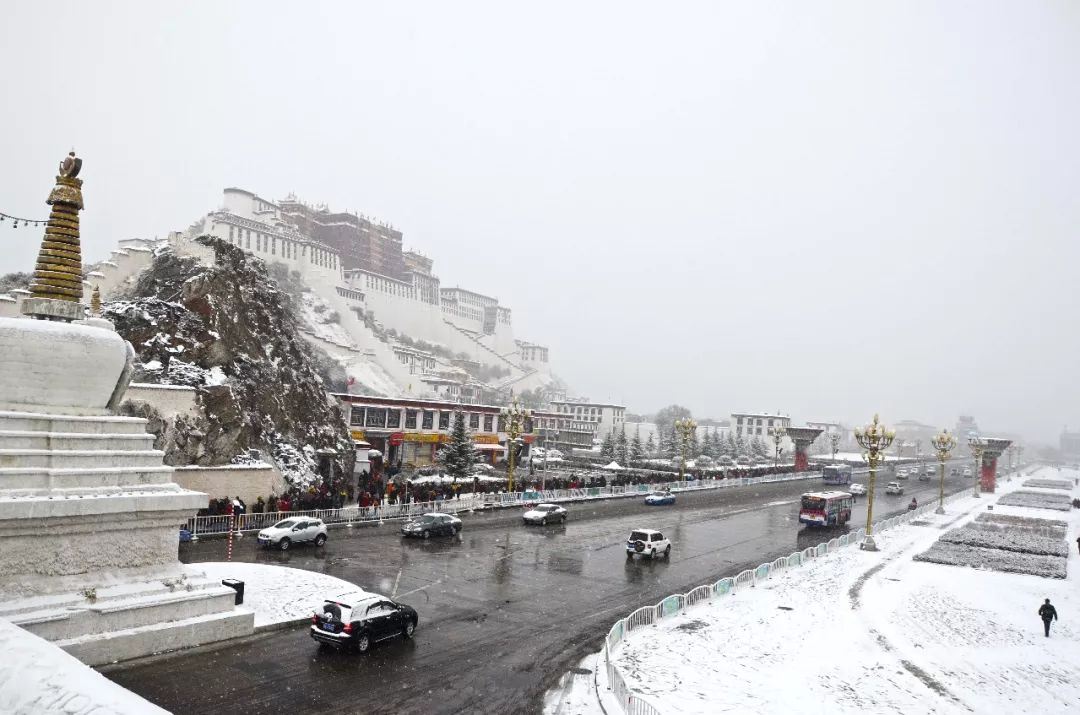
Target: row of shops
x=409 y=432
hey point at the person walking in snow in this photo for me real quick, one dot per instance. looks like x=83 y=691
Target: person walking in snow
x=1047 y=613
x=1078 y=543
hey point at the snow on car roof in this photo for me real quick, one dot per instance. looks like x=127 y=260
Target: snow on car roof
x=351 y=598
x=647 y=531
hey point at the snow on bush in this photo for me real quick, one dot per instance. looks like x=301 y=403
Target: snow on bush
x=1037 y=500
x=1049 y=484
x=1043 y=527
x=994 y=559
x=1018 y=540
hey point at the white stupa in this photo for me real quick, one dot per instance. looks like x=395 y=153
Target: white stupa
x=89 y=514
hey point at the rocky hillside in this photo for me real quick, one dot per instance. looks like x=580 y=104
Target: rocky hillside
x=229 y=331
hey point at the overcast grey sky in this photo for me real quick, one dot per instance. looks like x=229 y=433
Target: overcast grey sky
x=826 y=208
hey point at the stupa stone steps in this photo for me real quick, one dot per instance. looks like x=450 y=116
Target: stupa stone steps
x=71 y=424
x=30 y=439
x=103 y=616
x=78 y=458
x=22 y=481
x=128 y=643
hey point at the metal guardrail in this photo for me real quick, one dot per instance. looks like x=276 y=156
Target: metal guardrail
x=633 y=703
x=219 y=524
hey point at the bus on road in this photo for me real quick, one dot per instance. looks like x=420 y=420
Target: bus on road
x=836 y=474
x=825 y=508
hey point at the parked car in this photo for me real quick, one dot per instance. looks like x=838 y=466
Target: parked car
x=925 y=475
x=953 y=471
x=967 y=471
x=355 y=621
x=543 y=513
x=647 y=542
x=894 y=488
x=294 y=530
x=857 y=489
x=660 y=498
x=432 y=524
x=902 y=474
x=481 y=468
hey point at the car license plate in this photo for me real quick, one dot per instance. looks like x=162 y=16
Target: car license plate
x=330 y=627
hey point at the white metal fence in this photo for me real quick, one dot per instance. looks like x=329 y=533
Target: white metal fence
x=219 y=524
x=634 y=703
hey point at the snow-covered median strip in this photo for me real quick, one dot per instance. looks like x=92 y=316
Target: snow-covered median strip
x=277 y=594
x=856 y=631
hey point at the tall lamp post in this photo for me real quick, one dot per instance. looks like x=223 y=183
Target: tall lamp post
x=875 y=438
x=684 y=427
x=543 y=478
x=944 y=443
x=777 y=434
x=977 y=445
x=1011 y=450
x=515 y=422
x=834 y=442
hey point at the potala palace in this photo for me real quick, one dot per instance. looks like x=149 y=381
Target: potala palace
x=376 y=308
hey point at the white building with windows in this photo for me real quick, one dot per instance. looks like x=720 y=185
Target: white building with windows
x=607 y=417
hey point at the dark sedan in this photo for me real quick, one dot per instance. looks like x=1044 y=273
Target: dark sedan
x=433 y=524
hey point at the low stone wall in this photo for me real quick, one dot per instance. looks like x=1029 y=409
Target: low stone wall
x=249 y=482
x=168 y=400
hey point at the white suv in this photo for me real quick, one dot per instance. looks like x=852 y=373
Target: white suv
x=647 y=542
x=293 y=530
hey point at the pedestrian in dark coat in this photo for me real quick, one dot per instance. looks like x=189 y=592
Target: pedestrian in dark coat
x=1078 y=543
x=1047 y=613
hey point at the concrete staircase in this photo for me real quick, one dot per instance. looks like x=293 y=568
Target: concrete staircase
x=90 y=498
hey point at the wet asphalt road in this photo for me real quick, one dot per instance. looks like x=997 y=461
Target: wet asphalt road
x=504 y=610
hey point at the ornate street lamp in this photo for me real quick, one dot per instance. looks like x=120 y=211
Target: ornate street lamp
x=684 y=427
x=976 y=444
x=944 y=443
x=834 y=441
x=777 y=434
x=875 y=438
x=1011 y=450
x=515 y=422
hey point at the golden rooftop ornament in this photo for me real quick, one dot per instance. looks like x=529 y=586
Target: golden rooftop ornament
x=57 y=285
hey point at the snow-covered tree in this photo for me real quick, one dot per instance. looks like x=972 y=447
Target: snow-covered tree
x=650 y=446
x=622 y=447
x=741 y=448
x=759 y=449
x=607 y=448
x=693 y=445
x=637 y=452
x=458 y=457
x=732 y=445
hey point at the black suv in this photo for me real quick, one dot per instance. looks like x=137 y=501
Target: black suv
x=356 y=621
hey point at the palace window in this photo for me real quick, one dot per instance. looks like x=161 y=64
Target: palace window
x=488 y=419
x=376 y=417
x=410 y=419
x=444 y=420
x=393 y=419
x=356 y=416
x=474 y=421
x=429 y=418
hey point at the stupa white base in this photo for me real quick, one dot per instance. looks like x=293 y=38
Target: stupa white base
x=89 y=517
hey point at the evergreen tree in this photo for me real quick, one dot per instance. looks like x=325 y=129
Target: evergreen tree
x=622 y=447
x=693 y=448
x=740 y=446
x=607 y=449
x=650 y=446
x=637 y=452
x=759 y=449
x=712 y=444
x=459 y=455
x=732 y=445
x=674 y=446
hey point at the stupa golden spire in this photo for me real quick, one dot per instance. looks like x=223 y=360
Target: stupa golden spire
x=57 y=286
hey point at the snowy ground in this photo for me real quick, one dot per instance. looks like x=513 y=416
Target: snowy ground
x=859 y=632
x=277 y=594
x=38 y=677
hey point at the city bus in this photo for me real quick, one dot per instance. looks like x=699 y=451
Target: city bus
x=825 y=508
x=836 y=474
